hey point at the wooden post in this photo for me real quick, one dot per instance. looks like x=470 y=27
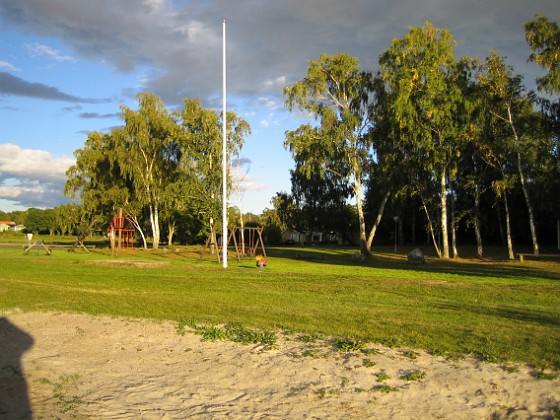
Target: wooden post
x=120 y=234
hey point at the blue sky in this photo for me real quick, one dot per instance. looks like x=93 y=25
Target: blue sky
x=66 y=66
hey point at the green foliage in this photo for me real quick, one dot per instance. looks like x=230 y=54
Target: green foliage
x=385 y=389
x=348 y=345
x=38 y=221
x=414 y=375
x=309 y=338
x=59 y=390
x=182 y=324
x=556 y=413
x=382 y=376
x=158 y=166
x=238 y=333
x=368 y=363
x=548 y=376
x=543 y=37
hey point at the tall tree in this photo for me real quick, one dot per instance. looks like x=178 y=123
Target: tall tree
x=420 y=71
x=512 y=108
x=200 y=139
x=98 y=182
x=543 y=37
x=148 y=154
x=337 y=93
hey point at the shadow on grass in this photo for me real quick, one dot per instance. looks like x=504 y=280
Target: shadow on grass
x=523 y=315
x=495 y=266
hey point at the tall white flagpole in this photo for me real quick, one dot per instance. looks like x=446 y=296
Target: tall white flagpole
x=224 y=158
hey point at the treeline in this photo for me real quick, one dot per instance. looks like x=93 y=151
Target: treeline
x=68 y=220
x=431 y=147
x=160 y=167
x=451 y=149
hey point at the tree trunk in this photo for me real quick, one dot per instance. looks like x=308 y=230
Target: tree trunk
x=529 y=206
x=377 y=220
x=443 y=192
x=414 y=228
x=523 y=185
x=431 y=229
x=454 y=223
x=477 y=232
x=511 y=256
x=361 y=219
x=134 y=222
x=242 y=225
x=154 y=221
x=171 y=231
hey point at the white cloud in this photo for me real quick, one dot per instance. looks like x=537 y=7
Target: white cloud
x=8 y=66
x=32 y=178
x=16 y=162
x=242 y=181
x=39 y=50
x=276 y=84
x=246 y=183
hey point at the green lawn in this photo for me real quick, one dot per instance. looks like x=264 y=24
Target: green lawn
x=494 y=309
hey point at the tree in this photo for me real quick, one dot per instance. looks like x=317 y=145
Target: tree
x=200 y=139
x=37 y=221
x=17 y=216
x=338 y=94
x=420 y=72
x=66 y=218
x=513 y=109
x=148 y=154
x=321 y=204
x=543 y=37
x=156 y=166
x=288 y=215
x=98 y=182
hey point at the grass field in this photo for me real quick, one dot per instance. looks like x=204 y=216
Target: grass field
x=494 y=309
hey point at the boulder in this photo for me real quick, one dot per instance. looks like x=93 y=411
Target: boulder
x=416 y=257
x=358 y=257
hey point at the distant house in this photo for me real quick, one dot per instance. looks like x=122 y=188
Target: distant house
x=292 y=237
x=6 y=225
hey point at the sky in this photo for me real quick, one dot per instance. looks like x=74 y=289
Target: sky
x=67 y=66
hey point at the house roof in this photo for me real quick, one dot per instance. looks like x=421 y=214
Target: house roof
x=6 y=222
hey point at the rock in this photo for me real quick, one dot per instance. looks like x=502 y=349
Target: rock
x=416 y=257
x=358 y=257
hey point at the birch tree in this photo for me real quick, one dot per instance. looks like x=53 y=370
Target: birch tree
x=338 y=94
x=420 y=71
x=200 y=139
x=510 y=107
x=543 y=37
x=148 y=154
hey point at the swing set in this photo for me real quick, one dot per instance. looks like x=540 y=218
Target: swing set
x=246 y=240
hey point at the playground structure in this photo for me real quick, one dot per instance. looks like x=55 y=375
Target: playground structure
x=246 y=240
x=39 y=244
x=121 y=237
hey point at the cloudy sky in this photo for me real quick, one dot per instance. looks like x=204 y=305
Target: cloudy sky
x=66 y=66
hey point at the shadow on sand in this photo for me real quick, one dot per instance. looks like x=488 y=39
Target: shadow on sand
x=14 y=400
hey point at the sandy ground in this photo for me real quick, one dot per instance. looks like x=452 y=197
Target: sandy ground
x=58 y=365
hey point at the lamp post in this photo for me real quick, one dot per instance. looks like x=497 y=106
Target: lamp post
x=396 y=220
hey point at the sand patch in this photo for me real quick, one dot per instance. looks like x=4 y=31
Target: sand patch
x=80 y=366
